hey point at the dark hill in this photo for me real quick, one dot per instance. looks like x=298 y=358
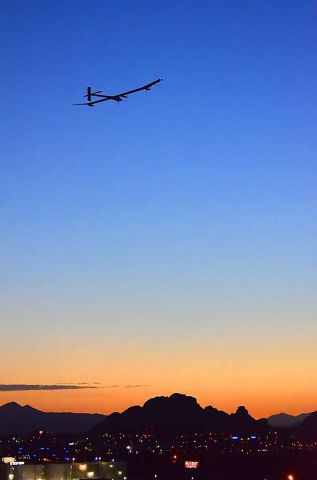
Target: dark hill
x=284 y=420
x=15 y=418
x=179 y=413
x=307 y=430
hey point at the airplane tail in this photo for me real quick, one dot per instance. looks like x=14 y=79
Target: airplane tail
x=89 y=96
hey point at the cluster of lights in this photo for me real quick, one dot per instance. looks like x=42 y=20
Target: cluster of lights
x=83 y=467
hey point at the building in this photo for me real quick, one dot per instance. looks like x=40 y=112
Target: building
x=64 y=471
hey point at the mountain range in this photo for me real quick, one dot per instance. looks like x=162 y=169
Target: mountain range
x=15 y=418
x=284 y=420
x=177 y=413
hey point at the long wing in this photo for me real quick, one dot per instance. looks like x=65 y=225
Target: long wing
x=91 y=104
x=148 y=86
x=145 y=87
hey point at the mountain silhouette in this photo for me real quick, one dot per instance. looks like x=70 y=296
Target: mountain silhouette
x=284 y=420
x=173 y=414
x=179 y=413
x=15 y=418
x=307 y=430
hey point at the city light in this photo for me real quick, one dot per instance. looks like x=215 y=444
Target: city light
x=191 y=464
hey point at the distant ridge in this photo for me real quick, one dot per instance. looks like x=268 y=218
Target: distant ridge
x=307 y=430
x=284 y=420
x=173 y=414
x=15 y=419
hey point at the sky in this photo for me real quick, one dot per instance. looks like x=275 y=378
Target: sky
x=167 y=243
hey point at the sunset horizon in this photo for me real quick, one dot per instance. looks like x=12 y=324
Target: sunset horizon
x=81 y=402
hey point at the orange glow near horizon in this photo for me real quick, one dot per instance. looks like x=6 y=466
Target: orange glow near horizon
x=79 y=402
x=262 y=375
x=106 y=400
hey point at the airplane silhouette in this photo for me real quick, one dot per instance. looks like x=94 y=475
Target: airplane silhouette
x=117 y=98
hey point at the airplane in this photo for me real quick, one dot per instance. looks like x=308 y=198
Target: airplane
x=117 y=98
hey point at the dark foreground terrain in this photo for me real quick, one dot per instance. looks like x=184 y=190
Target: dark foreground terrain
x=158 y=440
x=303 y=466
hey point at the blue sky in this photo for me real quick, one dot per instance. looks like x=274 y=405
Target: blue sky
x=190 y=209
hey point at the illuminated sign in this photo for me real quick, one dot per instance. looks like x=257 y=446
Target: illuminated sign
x=191 y=464
x=8 y=459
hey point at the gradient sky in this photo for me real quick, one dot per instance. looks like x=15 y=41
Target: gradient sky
x=167 y=243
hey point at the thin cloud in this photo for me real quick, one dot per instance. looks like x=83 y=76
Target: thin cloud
x=22 y=387
x=140 y=385
x=137 y=385
x=115 y=385
x=78 y=383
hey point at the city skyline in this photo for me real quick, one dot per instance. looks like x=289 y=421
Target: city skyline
x=167 y=243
